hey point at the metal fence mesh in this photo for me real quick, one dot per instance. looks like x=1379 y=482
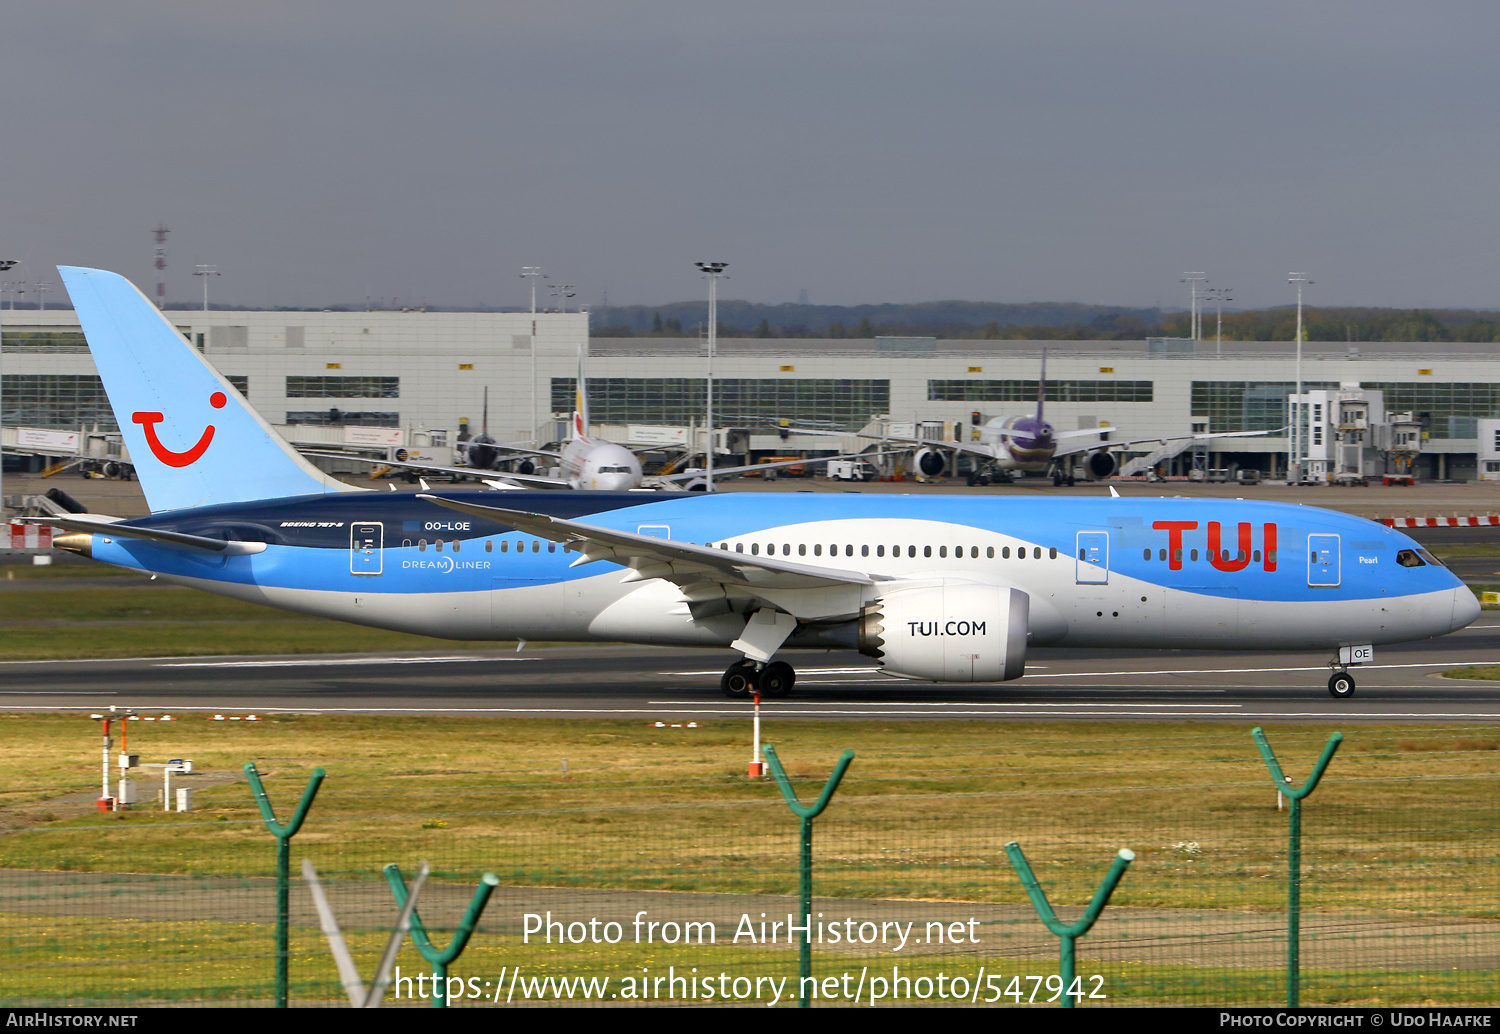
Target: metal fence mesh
x=1401 y=880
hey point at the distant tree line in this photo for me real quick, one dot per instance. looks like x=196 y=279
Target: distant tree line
x=1040 y=321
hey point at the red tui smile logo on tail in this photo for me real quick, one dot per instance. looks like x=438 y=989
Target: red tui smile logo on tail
x=148 y=422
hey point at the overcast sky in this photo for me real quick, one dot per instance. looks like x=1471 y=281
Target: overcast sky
x=1091 y=151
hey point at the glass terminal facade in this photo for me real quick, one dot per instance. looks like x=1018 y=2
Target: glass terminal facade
x=841 y=405
x=1025 y=391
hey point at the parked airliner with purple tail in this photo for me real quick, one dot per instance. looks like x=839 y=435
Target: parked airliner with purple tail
x=954 y=588
x=1027 y=443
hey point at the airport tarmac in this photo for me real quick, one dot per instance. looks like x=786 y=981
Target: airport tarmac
x=678 y=686
x=674 y=685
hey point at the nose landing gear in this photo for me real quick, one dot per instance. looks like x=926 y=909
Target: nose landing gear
x=1341 y=685
x=741 y=679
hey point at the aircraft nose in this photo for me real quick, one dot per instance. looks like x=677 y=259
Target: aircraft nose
x=1465 y=607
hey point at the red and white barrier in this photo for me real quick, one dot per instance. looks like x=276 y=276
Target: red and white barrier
x=1489 y=521
x=30 y=536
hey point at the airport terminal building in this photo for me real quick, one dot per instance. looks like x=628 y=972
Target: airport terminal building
x=421 y=379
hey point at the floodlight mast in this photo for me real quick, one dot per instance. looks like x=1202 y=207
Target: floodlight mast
x=1298 y=435
x=1193 y=280
x=205 y=272
x=5 y=266
x=531 y=273
x=1220 y=295
x=711 y=271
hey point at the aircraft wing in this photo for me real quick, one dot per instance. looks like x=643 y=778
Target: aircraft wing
x=905 y=443
x=530 y=480
x=681 y=562
x=1069 y=450
x=98 y=526
x=764 y=466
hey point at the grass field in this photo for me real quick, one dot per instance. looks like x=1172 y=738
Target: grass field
x=1401 y=849
x=135 y=620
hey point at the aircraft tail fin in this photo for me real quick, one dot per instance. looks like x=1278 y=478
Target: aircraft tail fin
x=581 y=402
x=193 y=438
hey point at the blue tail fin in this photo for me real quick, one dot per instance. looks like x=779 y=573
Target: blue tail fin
x=192 y=438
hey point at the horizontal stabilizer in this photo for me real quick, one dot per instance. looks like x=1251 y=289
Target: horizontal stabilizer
x=223 y=547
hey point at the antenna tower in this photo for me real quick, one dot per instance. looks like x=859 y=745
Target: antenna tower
x=161 y=232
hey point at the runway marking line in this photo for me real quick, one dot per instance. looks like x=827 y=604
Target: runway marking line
x=314 y=662
x=1242 y=671
x=742 y=712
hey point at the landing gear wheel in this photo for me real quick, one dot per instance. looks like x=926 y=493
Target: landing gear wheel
x=1057 y=480
x=1341 y=685
x=777 y=679
x=739 y=680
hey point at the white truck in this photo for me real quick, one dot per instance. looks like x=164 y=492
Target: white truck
x=850 y=470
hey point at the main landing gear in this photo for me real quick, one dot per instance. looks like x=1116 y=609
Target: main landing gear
x=742 y=678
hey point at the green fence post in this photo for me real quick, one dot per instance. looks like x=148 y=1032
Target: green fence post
x=1294 y=851
x=1067 y=935
x=283 y=836
x=806 y=814
x=442 y=958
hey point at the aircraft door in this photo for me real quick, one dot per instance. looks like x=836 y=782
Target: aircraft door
x=1092 y=557
x=365 y=543
x=1323 y=568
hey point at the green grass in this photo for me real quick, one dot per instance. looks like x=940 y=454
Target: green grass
x=144 y=962
x=168 y=621
x=1487 y=673
x=1467 y=549
x=1402 y=832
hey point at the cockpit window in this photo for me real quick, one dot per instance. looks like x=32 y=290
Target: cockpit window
x=1409 y=558
x=1434 y=561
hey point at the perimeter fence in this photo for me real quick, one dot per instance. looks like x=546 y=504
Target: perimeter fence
x=681 y=891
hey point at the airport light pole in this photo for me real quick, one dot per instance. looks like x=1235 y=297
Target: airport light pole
x=5 y=265
x=205 y=272
x=711 y=271
x=1298 y=436
x=41 y=287
x=1193 y=280
x=1220 y=295
x=531 y=273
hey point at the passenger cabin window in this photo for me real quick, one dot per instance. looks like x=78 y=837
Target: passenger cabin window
x=817 y=549
x=1162 y=555
x=911 y=551
x=1406 y=558
x=1005 y=553
x=989 y=551
x=1193 y=554
x=421 y=545
x=927 y=551
x=1145 y=554
x=551 y=547
x=943 y=551
x=864 y=550
x=1052 y=553
x=802 y=549
x=489 y=545
x=849 y=549
x=536 y=546
x=880 y=551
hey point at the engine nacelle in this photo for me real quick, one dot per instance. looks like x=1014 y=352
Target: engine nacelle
x=1101 y=464
x=931 y=462
x=957 y=632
